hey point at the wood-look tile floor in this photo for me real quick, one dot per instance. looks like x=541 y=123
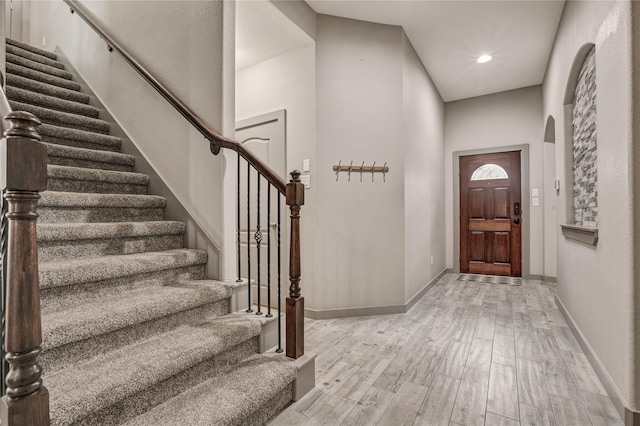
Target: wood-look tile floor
x=468 y=353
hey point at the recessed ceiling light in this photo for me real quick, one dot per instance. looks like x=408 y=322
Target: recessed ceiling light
x=484 y=59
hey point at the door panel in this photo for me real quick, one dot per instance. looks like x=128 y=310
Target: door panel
x=501 y=203
x=501 y=247
x=265 y=136
x=476 y=203
x=490 y=228
x=477 y=246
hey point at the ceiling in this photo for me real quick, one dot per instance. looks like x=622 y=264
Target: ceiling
x=448 y=35
x=263 y=32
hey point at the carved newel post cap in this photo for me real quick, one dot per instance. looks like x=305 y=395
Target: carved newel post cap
x=295 y=190
x=23 y=124
x=295 y=176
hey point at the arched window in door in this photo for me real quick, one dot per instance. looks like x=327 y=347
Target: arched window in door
x=489 y=171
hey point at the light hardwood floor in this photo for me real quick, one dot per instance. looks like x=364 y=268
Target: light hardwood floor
x=467 y=353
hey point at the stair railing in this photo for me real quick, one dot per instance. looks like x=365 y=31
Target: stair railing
x=293 y=191
x=23 y=165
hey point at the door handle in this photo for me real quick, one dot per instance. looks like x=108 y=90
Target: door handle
x=516 y=209
x=516 y=221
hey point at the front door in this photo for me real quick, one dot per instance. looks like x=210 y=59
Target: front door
x=491 y=214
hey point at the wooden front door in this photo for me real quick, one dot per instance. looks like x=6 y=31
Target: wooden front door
x=491 y=214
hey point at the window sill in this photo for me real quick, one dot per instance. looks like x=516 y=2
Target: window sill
x=581 y=233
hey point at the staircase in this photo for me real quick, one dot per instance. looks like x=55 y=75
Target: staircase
x=133 y=332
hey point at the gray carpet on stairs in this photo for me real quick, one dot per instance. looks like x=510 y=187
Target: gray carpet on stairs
x=133 y=332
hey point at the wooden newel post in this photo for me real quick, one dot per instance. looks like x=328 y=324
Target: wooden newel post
x=24 y=164
x=295 y=303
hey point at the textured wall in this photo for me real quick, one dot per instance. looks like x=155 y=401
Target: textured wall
x=596 y=284
x=585 y=176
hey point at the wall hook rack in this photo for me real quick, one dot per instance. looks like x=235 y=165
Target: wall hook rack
x=361 y=169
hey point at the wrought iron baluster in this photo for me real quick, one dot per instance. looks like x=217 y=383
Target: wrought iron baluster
x=238 y=224
x=279 y=350
x=269 y=314
x=258 y=238
x=249 y=238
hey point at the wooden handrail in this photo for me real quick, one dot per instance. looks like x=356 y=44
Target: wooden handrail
x=215 y=139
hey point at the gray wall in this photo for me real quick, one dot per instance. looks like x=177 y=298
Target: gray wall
x=375 y=102
x=596 y=283
x=181 y=43
x=423 y=146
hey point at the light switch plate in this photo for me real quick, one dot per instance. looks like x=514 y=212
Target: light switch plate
x=535 y=202
x=306 y=165
x=306 y=179
x=535 y=192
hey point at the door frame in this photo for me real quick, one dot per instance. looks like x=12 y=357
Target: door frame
x=525 y=202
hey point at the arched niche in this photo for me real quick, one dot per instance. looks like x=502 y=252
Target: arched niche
x=572 y=81
x=550 y=130
x=580 y=109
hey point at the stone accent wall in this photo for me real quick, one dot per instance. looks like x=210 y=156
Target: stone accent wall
x=585 y=176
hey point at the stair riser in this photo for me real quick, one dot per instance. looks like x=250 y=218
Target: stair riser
x=88 y=164
x=54 y=359
x=42 y=77
x=46 y=89
x=134 y=405
x=72 y=185
x=61 y=123
x=80 y=143
x=98 y=214
x=56 y=298
x=271 y=409
x=33 y=56
x=74 y=249
x=25 y=96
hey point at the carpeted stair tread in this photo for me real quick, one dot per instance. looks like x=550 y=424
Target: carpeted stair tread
x=231 y=399
x=90 y=231
x=83 y=180
x=47 y=69
x=41 y=76
x=57 y=207
x=135 y=307
x=55 y=117
x=89 y=158
x=32 y=49
x=74 y=137
x=91 y=269
x=112 y=377
x=47 y=89
x=75 y=199
x=51 y=102
x=58 y=241
x=19 y=51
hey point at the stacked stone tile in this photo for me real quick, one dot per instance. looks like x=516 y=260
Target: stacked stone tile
x=585 y=173
x=133 y=332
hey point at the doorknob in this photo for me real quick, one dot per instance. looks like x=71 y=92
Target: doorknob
x=516 y=221
x=516 y=209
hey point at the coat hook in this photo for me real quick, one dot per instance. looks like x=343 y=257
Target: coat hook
x=361 y=170
x=338 y=170
x=384 y=173
x=350 y=168
x=373 y=170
